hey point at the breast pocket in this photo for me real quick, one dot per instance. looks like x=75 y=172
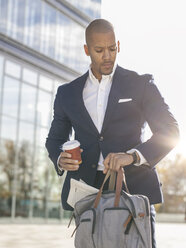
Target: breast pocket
x=127 y=109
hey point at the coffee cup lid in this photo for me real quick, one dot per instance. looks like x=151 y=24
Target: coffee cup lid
x=71 y=144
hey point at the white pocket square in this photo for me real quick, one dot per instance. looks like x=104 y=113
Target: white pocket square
x=125 y=100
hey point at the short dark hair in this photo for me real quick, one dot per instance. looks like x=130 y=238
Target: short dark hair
x=98 y=26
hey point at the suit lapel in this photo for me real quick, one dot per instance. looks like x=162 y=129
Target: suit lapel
x=84 y=115
x=114 y=96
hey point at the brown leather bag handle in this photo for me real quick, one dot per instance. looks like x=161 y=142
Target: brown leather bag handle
x=98 y=197
x=120 y=179
x=112 y=181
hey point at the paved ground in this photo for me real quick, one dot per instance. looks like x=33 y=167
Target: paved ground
x=58 y=236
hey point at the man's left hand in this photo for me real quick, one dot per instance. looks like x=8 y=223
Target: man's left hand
x=114 y=161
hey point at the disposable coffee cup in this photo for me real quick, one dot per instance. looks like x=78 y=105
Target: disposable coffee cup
x=73 y=147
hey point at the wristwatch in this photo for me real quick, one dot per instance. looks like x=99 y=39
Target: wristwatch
x=136 y=158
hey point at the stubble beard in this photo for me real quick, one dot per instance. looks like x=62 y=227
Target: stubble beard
x=106 y=72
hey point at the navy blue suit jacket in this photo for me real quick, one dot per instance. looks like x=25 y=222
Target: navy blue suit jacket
x=122 y=130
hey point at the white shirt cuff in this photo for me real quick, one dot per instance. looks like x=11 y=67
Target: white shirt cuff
x=142 y=159
x=58 y=164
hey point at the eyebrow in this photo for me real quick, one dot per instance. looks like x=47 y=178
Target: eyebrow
x=102 y=47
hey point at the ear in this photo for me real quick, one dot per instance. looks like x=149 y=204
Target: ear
x=86 y=50
x=118 y=46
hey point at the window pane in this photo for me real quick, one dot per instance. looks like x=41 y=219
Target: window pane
x=16 y=17
x=20 y=5
x=92 y=8
x=41 y=136
x=25 y=154
x=10 y=99
x=1 y=71
x=32 y=34
x=76 y=52
x=45 y=83
x=56 y=85
x=41 y=182
x=8 y=128
x=29 y=76
x=44 y=108
x=26 y=132
x=52 y=31
x=12 y=69
x=12 y=17
x=42 y=161
x=61 y=38
x=3 y=16
x=28 y=98
x=7 y=151
x=69 y=43
x=48 y=33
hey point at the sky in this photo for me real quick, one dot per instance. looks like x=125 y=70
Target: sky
x=152 y=35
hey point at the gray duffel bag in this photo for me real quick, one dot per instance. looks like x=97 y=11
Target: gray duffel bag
x=113 y=219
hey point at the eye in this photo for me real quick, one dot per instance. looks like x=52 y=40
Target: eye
x=113 y=49
x=98 y=51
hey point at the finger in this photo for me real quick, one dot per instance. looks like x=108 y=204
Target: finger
x=106 y=161
x=118 y=162
x=81 y=150
x=65 y=155
x=118 y=166
x=115 y=163
x=105 y=171
x=112 y=160
x=68 y=161
x=70 y=167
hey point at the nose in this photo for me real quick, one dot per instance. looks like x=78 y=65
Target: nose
x=106 y=54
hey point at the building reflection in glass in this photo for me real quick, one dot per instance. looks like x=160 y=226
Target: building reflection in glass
x=37 y=37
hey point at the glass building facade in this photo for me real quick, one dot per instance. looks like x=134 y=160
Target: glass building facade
x=41 y=47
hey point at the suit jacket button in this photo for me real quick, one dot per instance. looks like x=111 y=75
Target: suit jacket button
x=93 y=166
x=101 y=138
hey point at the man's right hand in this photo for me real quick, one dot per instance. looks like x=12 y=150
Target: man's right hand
x=66 y=163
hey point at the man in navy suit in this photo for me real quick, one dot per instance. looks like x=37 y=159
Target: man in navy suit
x=108 y=108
